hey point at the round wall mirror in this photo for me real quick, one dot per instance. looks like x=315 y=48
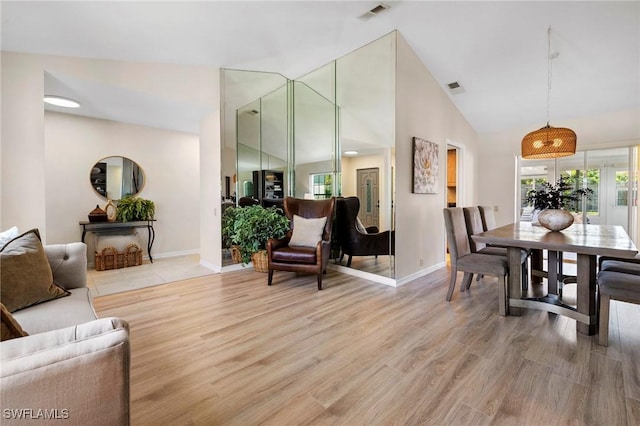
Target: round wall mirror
x=116 y=177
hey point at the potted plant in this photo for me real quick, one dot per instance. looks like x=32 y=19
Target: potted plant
x=552 y=200
x=252 y=228
x=228 y=222
x=131 y=209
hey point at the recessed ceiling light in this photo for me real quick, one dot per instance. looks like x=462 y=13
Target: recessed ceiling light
x=351 y=153
x=61 y=101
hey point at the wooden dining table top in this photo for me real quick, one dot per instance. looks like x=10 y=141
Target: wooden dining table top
x=603 y=240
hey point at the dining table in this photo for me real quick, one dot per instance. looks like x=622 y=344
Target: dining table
x=587 y=241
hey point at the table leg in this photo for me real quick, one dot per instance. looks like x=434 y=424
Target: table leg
x=515 y=279
x=552 y=271
x=537 y=265
x=151 y=236
x=587 y=293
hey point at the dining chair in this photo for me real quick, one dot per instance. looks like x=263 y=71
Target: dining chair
x=614 y=285
x=464 y=260
x=476 y=225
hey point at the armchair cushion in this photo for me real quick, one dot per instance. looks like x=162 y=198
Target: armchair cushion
x=10 y=327
x=299 y=254
x=26 y=274
x=307 y=232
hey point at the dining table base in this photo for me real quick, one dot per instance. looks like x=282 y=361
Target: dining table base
x=585 y=313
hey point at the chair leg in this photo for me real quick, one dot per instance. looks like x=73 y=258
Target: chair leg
x=466 y=281
x=479 y=276
x=270 y=279
x=502 y=296
x=349 y=261
x=452 y=283
x=603 y=319
x=320 y=281
x=525 y=276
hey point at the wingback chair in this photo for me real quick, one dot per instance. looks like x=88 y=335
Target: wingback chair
x=354 y=242
x=303 y=255
x=464 y=260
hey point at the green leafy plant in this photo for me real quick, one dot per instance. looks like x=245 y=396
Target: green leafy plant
x=254 y=225
x=131 y=209
x=228 y=221
x=558 y=196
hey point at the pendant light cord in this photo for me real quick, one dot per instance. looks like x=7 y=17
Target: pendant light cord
x=548 y=71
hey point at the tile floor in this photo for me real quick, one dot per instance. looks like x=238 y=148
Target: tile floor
x=161 y=271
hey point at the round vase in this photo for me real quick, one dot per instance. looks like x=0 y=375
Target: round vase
x=555 y=219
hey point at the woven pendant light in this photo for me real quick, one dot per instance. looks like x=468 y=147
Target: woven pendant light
x=549 y=142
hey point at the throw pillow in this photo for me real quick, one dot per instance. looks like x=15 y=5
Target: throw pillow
x=360 y=227
x=26 y=274
x=307 y=232
x=10 y=327
x=8 y=235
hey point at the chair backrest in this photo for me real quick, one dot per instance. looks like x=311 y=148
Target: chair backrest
x=474 y=226
x=247 y=201
x=311 y=209
x=457 y=236
x=488 y=217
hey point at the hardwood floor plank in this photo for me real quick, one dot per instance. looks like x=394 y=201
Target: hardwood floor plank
x=227 y=349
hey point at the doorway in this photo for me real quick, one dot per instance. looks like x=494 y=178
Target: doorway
x=369 y=195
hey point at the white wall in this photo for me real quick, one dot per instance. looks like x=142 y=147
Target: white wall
x=498 y=151
x=424 y=110
x=27 y=198
x=73 y=144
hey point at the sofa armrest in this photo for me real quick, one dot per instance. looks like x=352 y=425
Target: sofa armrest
x=80 y=373
x=68 y=264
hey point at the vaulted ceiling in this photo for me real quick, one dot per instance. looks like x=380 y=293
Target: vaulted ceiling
x=496 y=50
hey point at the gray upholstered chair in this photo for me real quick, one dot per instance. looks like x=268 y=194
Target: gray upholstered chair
x=617 y=286
x=464 y=260
x=475 y=222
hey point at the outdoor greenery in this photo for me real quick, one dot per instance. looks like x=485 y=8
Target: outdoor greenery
x=254 y=225
x=131 y=209
x=561 y=195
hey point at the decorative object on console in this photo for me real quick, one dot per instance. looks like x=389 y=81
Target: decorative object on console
x=97 y=215
x=555 y=199
x=131 y=209
x=425 y=167
x=549 y=142
x=111 y=210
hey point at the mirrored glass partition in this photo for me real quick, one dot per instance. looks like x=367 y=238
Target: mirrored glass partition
x=328 y=133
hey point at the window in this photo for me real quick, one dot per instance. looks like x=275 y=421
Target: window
x=321 y=185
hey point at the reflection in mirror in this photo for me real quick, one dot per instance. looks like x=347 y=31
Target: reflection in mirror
x=116 y=177
x=315 y=144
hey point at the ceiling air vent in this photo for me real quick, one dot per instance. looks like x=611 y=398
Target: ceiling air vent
x=375 y=11
x=455 y=88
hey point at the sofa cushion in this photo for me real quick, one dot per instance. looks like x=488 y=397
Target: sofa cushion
x=307 y=232
x=26 y=274
x=10 y=327
x=59 y=313
x=8 y=235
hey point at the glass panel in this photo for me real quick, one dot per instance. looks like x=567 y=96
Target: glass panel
x=608 y=176
x=314 y=138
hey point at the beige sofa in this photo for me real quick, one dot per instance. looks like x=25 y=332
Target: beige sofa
x=72 y=366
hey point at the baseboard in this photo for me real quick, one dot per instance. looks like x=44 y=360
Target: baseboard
x=361 y=274
x=420 y=274
x=210 y=266
x=172 y=254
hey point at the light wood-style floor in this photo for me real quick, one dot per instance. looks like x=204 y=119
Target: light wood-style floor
x=228 y=349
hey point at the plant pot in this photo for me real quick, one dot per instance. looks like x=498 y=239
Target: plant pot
x=236 y=256
x=260 y=261
x=555 y=219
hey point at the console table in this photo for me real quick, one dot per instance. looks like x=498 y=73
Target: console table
x=105 y=227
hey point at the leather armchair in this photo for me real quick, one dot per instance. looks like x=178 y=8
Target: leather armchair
x=313 y=260
x=353 y=242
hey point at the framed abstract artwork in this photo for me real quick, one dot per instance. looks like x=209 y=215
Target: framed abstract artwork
x=425 y=167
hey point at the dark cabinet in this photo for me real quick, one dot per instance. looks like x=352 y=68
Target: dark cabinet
x=99 y=178
x=268 y=186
